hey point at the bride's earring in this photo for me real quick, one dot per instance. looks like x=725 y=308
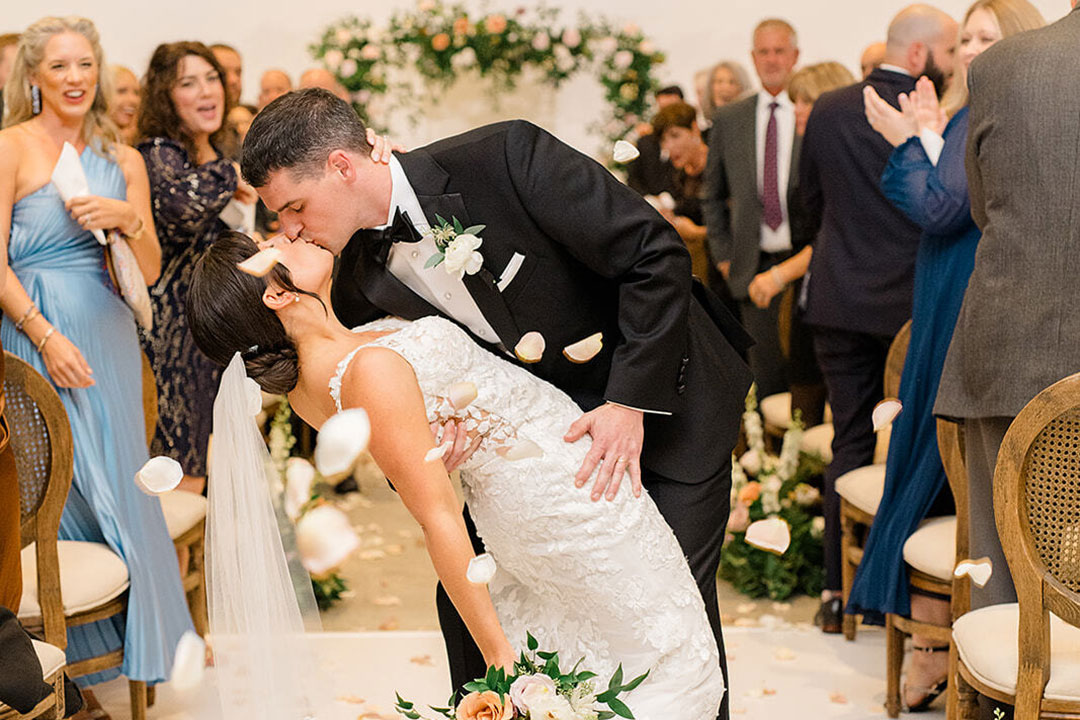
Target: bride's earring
x=35 y=99
x=296 y=298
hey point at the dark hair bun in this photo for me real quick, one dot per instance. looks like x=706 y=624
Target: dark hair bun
x=277 y=371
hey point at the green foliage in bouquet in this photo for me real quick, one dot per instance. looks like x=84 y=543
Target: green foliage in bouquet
x=765 y=486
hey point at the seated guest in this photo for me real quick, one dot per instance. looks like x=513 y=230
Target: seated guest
x=728 y=81
x=926 y=179
x=872 y=58
x=323 y=78
x=124 y=104
x=651 y=173
x=677 y=129
x=272 y=85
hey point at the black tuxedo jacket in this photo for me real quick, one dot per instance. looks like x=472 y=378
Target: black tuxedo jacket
x=597 y=258
x=863 y=269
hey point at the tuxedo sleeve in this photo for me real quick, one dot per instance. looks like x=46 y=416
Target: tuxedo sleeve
x=717 y=193
x=608 y=228
x=811 y=202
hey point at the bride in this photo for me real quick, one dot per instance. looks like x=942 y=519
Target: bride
x=603 y=581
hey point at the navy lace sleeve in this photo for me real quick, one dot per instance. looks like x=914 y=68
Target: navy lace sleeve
x=934 y=197
x=186 y=198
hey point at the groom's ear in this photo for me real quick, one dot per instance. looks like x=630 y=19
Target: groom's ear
x=342 y=164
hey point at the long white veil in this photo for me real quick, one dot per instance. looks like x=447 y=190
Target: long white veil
x=259 y=596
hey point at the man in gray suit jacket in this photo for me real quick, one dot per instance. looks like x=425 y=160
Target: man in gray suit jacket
x=750 y=181
x=1019 y=329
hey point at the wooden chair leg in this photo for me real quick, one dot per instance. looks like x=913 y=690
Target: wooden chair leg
x=847 y=569
x=952 y=707
x=967 y=700
x=151 y=695
x=137 y=690
x=894 y=662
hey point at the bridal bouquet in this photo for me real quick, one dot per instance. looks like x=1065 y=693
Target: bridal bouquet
x=537 y=689
x=774 y=488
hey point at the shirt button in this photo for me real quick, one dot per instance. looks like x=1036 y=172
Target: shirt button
x=415 y=254
x=448 y=296
x=482 y=332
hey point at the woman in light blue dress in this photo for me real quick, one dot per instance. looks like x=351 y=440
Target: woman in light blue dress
x=64 y=316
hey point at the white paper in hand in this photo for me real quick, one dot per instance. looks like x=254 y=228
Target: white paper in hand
x=70 y=180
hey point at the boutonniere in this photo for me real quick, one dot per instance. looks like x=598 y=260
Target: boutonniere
x=456 y=247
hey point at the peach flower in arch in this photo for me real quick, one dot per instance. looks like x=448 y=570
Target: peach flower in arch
x=495 y=24
x=461 y=26
x=440 y=42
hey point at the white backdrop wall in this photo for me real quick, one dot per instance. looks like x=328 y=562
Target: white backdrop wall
x=693 y=33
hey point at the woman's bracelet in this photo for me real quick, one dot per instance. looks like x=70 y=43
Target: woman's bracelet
x=138 y=232
x=45 y=339
x=27 y=317
x=776 y=278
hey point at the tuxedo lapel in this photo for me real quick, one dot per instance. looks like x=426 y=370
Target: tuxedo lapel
x=378 y=285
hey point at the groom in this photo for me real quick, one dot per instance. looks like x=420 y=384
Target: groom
x=567 y=251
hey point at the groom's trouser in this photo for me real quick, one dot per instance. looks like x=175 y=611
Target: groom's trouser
x=697 y=513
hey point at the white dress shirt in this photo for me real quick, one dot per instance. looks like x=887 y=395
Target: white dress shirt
x=406 y=261
x=778 y=240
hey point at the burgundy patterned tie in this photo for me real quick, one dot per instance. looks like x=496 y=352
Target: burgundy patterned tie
x=773 y=214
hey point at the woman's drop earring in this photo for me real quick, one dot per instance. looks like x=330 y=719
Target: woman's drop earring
x=296 y=298
x=35 y=99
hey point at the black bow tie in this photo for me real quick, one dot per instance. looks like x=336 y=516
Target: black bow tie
x=377 y=243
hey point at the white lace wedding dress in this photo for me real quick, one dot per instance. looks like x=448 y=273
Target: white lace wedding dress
x=605 y=581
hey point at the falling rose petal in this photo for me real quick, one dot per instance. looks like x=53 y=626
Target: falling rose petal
x=885 y=412
x=372 y=555
x=772 y=534
x=189 y=663
x=436 y=453
x=978 y=570
x=624 y=152
x=299 y=479
x=159 y=475
x=422 y=660
x=666 y=200
x=341 y=441
x=387 y=601
x=522 y=450
x=768 y=692
x=530 y=348
x=584 y=350
x=325 y=539
x=261 y=262
x=481 y=569
x=462 y=394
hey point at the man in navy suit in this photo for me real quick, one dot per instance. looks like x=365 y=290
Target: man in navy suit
x=863 y=267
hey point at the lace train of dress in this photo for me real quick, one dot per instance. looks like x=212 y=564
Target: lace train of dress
x=604 y=581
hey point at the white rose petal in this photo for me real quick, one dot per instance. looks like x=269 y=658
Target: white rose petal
x=159 y=475
x=325 y=539
x=625 y=152
x=530 y=348
x=481 y=569
x=885 y=412
x=299 y=478
x=461 y=394
x=436 y=453
x=978 y=570
x=666 y=201
x=261 y=262
x=522 y=450
x=751 y=462
x=584 y=350
x=772 y=534
x=341 y=441
x=189 y=663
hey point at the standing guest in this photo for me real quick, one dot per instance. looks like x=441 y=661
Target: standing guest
x=124 y=105
x=728 y=82
x=8 y=43
x=651 y=173
x=676 y=127
x=1017 y=332
x=233 y=66
x=64 y=317
x=925 y=178
x=863 y=264
x=272 y=85
x=807 y=385
x=190 y=183
x=872 y=58
x=750 y=179
x=323 y=78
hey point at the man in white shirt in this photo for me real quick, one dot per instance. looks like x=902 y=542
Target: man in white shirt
x=750 y=179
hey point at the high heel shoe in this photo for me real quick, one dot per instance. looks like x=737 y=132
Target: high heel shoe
x=930 y=694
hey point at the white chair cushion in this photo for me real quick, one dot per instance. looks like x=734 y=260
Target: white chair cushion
x=182 y=511
x=932 y=548
x=90 y=575
x=51 y=657
x=987 y=641
x=863 y=487
x=818 y=439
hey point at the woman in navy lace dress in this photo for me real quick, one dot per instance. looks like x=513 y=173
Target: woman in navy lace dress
x=190 y=184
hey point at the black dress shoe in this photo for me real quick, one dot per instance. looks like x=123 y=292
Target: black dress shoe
x=831 y=616
x=347 y=486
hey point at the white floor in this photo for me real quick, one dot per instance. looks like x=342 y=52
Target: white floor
x=781 y=672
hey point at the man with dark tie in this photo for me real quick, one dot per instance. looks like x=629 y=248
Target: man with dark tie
x=751 y=174
x=863 y=268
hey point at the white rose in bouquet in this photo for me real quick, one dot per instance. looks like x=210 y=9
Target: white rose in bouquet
x=461 y=256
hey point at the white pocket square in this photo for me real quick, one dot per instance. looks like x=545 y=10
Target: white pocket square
x=510 y=271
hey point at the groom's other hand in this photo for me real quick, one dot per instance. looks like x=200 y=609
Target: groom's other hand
x=382 y=147
x=617 y=434
x=461 y=447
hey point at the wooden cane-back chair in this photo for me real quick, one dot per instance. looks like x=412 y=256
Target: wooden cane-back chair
x=1035 y=662
x=43 y=461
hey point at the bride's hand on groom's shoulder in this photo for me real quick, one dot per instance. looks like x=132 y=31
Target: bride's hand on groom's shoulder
x=382 y=147
x=617 y=435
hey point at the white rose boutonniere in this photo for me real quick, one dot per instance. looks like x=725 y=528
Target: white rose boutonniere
x=456 y=247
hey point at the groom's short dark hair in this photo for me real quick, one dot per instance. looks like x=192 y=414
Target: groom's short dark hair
x=298 y=131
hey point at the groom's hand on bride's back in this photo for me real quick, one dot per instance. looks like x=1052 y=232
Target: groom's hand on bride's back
x=617 y=434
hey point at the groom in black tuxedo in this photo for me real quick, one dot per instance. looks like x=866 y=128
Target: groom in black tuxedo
x=567 y=251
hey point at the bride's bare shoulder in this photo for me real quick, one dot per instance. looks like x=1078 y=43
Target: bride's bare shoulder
x=376 y=375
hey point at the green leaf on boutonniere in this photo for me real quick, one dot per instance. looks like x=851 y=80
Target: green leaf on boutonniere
x=620 y=708
x=473 y=230
x=434 y=260
x=441 y=220
x=458 y=228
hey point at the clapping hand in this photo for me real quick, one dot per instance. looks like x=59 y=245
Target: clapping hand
x=926 y=109
x=894 y=125
x=617 y=435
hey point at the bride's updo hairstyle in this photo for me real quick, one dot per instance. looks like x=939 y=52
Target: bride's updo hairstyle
x=226 y=313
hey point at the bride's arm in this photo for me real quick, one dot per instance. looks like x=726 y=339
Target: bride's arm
x=400 y=438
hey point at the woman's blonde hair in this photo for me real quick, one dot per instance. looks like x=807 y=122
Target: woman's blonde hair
x=1012 y=17
x=98 y=131
x=809 y=83
x=737 y=71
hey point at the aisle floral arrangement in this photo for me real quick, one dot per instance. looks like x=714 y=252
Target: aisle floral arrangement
x=536 y=689
x=440 y=41
x=765 y=486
